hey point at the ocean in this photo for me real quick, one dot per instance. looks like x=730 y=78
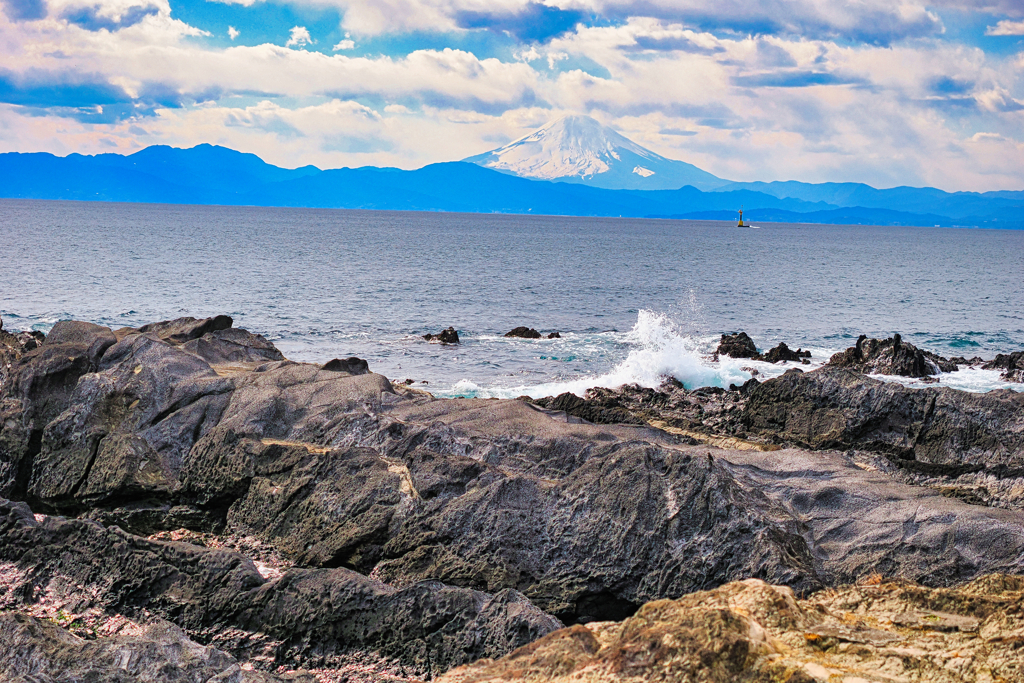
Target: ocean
x=634 y=300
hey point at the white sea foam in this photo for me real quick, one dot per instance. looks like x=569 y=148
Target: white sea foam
x=659 y=350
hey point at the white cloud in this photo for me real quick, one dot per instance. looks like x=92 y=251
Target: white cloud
x=299 y=37
x=345 y=44
x=233 y=32
x=1006 y=28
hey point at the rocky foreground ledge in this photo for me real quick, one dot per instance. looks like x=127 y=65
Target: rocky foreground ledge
x=182 y=496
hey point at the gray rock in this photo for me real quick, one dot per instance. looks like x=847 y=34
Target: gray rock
x=523 y=332
x=1012 y=365
x=307 y=617
x=182 y=330
x=232 y=346
x=891 y=356
x=35 y=650
x=448 y=336
x=736 y=345
x=939 y=430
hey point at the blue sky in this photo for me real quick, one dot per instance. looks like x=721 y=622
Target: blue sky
x=884 y=92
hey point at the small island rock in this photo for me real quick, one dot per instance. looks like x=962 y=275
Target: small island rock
x=449 y=336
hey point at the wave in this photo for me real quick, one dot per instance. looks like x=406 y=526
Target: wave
x=659 y=350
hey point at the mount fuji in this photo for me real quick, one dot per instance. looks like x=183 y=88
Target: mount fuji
x=578 y=149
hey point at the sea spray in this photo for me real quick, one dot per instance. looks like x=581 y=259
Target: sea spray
x=658 y=350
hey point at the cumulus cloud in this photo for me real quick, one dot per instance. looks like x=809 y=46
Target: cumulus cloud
x=233 y=32
x=299 y=37
x=1006 y=28
x=744 y=104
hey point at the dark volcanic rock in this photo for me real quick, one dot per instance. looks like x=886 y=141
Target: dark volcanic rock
x=554 y=335
x=596 y=411
x=891 y=356
x=929 y=429
x=315 y=617
x=36 y=650
x=181 y=330
x=344 y=473
x=737 y=345
x=351 y=365
x=523 y=333
x=1011 y=364
x=449 y=336
x=783 y=353
x=232 y=345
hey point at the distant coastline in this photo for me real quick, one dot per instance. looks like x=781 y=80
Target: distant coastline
x=209 y=175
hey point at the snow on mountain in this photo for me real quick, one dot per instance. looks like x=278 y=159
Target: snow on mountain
x=578 y=149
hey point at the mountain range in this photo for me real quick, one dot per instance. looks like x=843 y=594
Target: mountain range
x=572 y=166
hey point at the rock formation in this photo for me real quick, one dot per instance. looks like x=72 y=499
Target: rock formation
x=750 y=631
x=418 y=533
x=783 y=353
x=736 y=345
x=448 y=336
x=1011 y=364
x=523 y=333
x=891 y=356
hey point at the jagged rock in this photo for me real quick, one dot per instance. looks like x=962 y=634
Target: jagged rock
x=181 y=330
x=352 y=366
x=939 y=430
x=782 y=353
x=1011 y=364
x=751 y=632
x=34 y=650
x=960 y=360
x=448 y=336
x=554 y=335
x=313 y=617
x=232 y=345
x=348 y=472
x=891 y=356
x=607 y=412
x=737 y=345
x=523 y=333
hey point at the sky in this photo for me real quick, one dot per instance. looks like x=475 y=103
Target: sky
x=886 y=92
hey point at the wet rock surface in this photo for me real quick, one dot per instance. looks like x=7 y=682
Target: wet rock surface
x=418 y=533
x=752 y=631
x=523 y=332
x=736 y=345
x=447 y=336
x=1011 y=364
x=891 y=356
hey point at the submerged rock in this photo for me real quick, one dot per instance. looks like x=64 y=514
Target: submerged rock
x=891 y=356
x=523 y=333
x=750 y=631
x=737 y=345
x=448 y=336
x=554 y=335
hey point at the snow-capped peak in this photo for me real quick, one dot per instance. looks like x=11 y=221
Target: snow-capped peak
x=580 y=149
x=576 y=146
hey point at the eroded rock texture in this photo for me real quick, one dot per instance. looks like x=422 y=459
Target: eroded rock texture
x=891 y=356
x=750 y=632
x=425 y=533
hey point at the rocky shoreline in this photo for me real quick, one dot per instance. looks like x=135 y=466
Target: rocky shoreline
x=182 y=487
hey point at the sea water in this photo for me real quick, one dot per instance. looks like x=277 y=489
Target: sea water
x=634 y=300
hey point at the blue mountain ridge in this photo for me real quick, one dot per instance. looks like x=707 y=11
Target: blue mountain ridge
x=209 y=174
